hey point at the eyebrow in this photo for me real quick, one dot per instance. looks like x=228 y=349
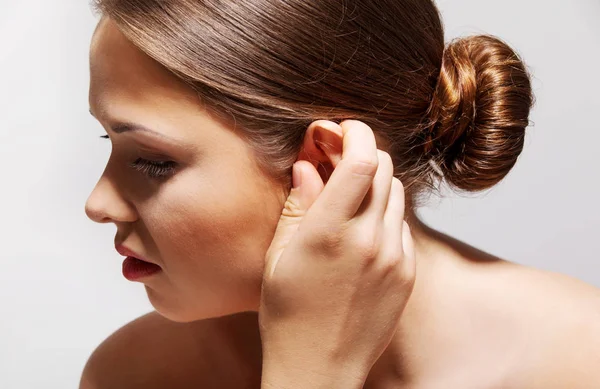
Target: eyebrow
x=124 y=127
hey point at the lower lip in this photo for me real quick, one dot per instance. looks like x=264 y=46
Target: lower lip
x=134 y=269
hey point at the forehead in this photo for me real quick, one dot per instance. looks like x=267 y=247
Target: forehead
x=120 y=72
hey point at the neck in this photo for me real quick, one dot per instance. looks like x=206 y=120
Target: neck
x=400 y=365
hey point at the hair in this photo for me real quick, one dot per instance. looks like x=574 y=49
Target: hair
x=455 y=111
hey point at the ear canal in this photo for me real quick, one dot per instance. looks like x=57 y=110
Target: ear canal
x=324 y=150
x=325 y=169
x=333 y=152
x=322 y=146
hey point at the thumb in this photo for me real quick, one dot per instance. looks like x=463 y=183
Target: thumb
x=307 y=185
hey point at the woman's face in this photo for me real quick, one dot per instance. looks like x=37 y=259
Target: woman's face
x=209 y=220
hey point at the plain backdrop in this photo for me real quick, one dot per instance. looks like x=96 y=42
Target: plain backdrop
x=61 y=288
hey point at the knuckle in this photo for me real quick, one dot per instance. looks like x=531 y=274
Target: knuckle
x=292 y=208
x=395 y=260
x=328 y=240
x=398 y=267
x=391 y=265
x=368 y=251
x=384 y=157
x=367 y=243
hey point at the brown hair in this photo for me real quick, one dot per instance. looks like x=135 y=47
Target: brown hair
x=456 y=111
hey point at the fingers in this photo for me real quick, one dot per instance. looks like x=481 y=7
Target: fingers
x=408 y=267
x=398 y=246
x=302 y=198
x=308 y=187
x=353 y=176
x=376 y=200
x=393 y=223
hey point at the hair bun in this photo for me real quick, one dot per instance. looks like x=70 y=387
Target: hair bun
x=479 y=112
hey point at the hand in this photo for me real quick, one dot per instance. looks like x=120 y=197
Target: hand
x=339 y=270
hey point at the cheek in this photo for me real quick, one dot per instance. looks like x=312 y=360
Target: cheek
x=213 y=229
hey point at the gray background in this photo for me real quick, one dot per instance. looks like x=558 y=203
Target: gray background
x=61 y=288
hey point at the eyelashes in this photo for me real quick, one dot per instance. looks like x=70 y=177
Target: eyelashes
x=151 y=168
x=154 y=169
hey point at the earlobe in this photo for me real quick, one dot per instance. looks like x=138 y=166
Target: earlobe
x=322 y=146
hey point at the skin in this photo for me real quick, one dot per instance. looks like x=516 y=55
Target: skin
x=212 y=263
x=472 y=321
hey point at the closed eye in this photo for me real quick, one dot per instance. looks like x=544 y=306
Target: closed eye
x=150 y=168
x=154 y=169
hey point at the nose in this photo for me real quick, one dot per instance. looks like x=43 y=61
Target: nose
x=105 y=204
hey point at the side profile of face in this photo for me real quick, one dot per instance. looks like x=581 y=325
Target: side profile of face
x=201 y=210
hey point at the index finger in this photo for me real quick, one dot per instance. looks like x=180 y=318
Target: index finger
x=353 y=175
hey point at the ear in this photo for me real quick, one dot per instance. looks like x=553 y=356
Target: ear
x=322 y=146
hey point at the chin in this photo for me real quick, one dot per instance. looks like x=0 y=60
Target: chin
x=178 y=311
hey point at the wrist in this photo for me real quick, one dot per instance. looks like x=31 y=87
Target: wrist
x=302 y=375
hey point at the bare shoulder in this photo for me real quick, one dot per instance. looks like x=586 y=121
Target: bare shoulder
x=141 y=353
x=555 y=326
x=153 y=352
x=569 y=319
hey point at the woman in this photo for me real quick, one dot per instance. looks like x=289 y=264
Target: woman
x=208 y=104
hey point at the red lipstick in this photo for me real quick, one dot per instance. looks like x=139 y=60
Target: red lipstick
x=134 y=266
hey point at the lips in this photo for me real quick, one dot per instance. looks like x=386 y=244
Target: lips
x=126 y=252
